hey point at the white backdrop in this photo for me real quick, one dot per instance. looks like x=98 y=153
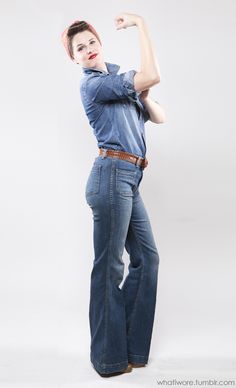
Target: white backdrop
x=47 y=149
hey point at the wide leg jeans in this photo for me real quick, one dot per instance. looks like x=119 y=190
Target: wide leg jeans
x=121 y=318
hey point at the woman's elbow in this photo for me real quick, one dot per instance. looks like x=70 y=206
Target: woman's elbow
x=154 y=80
x=144 y=81
x=160 y=119
x=157 y=79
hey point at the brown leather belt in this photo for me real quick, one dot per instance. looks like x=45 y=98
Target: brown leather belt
x=141 y=162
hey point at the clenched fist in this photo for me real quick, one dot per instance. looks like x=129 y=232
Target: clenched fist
x=125 y=20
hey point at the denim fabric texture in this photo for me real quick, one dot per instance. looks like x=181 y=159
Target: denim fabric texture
x=121 y=317
x=114 y=109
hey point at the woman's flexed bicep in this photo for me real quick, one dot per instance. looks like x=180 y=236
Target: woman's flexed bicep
x=149 y=74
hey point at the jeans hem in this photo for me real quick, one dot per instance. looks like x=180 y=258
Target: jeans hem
x=108 y=368
x=137 y=359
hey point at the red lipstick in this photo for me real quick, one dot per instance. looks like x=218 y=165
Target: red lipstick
x=92 y=56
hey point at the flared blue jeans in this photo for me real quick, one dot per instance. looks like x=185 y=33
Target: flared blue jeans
x=121 y=318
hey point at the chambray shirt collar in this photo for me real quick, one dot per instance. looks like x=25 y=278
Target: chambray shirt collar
x=111 y=67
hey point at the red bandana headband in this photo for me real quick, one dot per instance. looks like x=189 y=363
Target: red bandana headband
x=65 y=39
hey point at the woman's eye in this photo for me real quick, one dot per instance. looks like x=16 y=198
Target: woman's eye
x=80 y=48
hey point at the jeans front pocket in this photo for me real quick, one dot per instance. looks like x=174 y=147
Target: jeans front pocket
x=125 y=181
x=93 y=182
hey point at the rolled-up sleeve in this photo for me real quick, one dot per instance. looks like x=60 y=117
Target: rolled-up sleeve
x=103 y=88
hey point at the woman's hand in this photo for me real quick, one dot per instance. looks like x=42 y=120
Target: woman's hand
x=143 y=95
x=124 y=20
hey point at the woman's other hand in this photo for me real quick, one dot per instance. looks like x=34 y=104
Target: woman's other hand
x=144 y=94
x=124 y=20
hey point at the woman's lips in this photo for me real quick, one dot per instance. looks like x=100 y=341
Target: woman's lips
x=92 y=56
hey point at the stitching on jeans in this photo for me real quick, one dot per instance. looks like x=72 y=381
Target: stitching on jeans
x=108 y=261
x=141 y=278
x=104 y=365
x=138 y=355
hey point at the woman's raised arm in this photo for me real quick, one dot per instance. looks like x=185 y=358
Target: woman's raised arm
x=149 y=74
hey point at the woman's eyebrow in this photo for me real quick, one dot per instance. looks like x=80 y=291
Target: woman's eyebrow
x=81 y=44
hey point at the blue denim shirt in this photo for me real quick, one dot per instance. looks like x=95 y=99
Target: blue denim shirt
x=114 y=109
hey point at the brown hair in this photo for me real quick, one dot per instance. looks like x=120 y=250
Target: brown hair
x=74 y=28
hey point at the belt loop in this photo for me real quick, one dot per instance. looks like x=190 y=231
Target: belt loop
x=139 y=161
x=104 y=153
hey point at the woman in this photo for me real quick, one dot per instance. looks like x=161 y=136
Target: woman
x=117 y=106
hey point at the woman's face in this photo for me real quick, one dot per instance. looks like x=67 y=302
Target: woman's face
x=85 y=44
